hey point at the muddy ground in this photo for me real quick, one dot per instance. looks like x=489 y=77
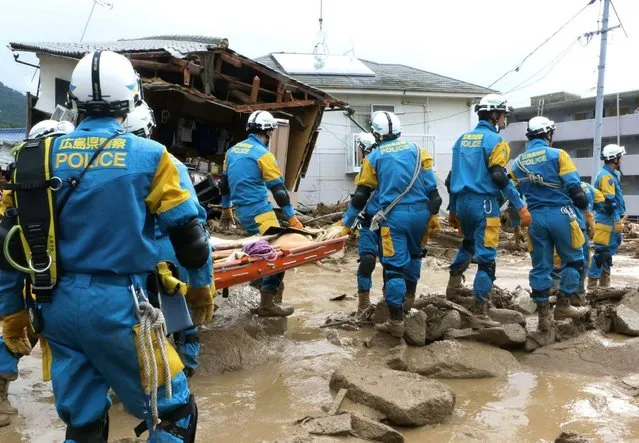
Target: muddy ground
x=274 y=381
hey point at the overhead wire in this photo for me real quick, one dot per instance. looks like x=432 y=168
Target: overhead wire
x=619 y=18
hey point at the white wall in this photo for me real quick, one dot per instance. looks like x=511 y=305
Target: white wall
x=50 y=69
x=328 y=180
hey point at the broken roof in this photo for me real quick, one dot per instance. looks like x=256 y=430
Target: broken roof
x=393 y=77
x=176 y=45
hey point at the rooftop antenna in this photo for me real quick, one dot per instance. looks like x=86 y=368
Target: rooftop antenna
x=320 y=51
x=95 y=2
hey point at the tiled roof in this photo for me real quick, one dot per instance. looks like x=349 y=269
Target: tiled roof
x=387 y=77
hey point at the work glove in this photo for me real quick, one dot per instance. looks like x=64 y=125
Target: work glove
x=345 y=229
x=519 y=236
x=454 y=222
x=14 y=332
x=590 y=224
x=227 y=219
x=171 y=284
x=433 y=225
x=619 y=226
x=200 y=301
x=525 y=217
x=294 y=222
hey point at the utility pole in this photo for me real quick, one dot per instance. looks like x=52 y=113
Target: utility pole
x=596 y=146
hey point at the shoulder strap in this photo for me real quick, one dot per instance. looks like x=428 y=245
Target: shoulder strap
x=534 y=178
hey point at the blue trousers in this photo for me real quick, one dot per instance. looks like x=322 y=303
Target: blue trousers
x=553 y=230
x=607 y=241
x=188 y=347
x=256 y=220
x=8 y=363
x=367 y=244
x=89 y=328
x=556 y=273
x=400 y=240
x=480 y=222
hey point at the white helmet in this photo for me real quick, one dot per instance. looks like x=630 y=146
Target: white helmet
x=385 y=125
x=140 y=121
x=261 y=121
x=494 y=102
x=365 y=141
x=539 y=125
x=47 y=128
x=104 y=83
x=612 y=152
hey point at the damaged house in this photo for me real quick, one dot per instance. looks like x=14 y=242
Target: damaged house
x=201 y=92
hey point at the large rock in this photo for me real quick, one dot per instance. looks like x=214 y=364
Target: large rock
x=415 y=333
x=523 y=303
x=330 y=425
x=381 y=313
x=590 y=354
x=506 y=336
x=507 y=316
x=397 y=357
x=571 y=437
x=407 y=399
x=224 y=350
x=631 y=300
x=626 y=321
x=437 y=328
x=539 y=339
x=461 y=359
x=368 y=429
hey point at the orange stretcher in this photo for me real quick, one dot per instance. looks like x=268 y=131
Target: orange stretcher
x=246 y=269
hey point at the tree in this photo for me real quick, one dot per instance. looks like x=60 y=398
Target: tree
x=13 y=105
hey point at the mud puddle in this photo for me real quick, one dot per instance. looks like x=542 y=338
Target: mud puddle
x=263 y=402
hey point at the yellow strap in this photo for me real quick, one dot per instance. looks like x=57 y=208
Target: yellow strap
x=170 y=282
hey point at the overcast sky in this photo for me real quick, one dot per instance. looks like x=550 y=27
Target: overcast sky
x=470 y=40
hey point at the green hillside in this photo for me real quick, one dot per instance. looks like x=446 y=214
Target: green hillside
x=12 y=108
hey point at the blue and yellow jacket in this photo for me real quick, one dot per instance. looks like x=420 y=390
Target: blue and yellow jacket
x=372 y=207
x=473 y=154
x=595 y=197
x=389 y=169
x=251 y=170
x=608 y=183
x=108 y=225
x=554 y=165
x=167 y=253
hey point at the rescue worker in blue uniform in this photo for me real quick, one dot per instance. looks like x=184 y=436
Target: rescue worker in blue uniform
x=250 y=172
x=173 y=277
x=401 y=174
x=13 y=343
x=477 y=178
x=608 y=219
x=549 y=180
x=117 y=186
x=367 y=244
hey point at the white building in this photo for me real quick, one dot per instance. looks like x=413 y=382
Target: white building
x=434 y=111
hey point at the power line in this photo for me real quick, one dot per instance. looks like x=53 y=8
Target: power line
x=618 y=18
x=519 y=65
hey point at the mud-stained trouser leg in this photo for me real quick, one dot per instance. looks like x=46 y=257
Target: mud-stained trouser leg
x=187 y=345
x=607 y=242
x=367 y=248
x=91 y=329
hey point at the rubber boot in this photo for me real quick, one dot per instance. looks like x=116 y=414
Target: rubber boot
x=5 y=406
x=544 y=317
x=268 y=308
x=564 y=310
x=593 y=283
x=280 y=292
x=5 y=420
x=395 y=325
x=480 y=319
x=363 y=301
x=409 y=298
x=604 y=280
x=455 y=287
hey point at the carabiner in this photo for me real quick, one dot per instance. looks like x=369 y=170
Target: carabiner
x=488 y=207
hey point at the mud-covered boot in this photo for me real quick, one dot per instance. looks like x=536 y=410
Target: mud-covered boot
x=280 y=292
x=5 y=420
x=409 y=298
x=268 y=308
x=5 y=405
x=604 y=280
x=564 y=310
x=455 y=288
x=363 y=301
x=593 y=283
x=480 y=319
x=395 y=325
x=544 y=317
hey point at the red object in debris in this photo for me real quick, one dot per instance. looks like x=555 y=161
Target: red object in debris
x=252 y=268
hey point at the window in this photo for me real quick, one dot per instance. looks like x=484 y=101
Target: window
x=353 y=155
x=584 y=115
x=61 y=89
x=387 y=108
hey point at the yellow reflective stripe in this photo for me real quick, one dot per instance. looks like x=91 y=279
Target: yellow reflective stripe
x=46 y=358
x=607 y=185
x=566 y=165
x=500 y=155
x=598 y=197
x=175 y=363
x=51 y=238
x=367 y=175
x=512 y=177
x=224 y=165
x=603 y=233
x=577 y=238
x=265 y=221
x=269 y=168
x=166 y=192
x=427 y=160
x=388 y=249
x=556 y=260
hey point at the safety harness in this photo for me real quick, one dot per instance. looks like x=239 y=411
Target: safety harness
x=534 y=178
x=381 y=214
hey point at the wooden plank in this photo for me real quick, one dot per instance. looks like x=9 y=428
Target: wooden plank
x=168 y=67
x=218 y=64
x=231 y=60
x=255 y=89
x=267 y=106
x=337 y=402
x=280 y=93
